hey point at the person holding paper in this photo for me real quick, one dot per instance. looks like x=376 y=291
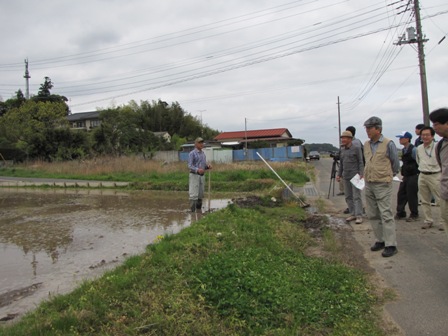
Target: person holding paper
x=350 y=164
x=382 y=165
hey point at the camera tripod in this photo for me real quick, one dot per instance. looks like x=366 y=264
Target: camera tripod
x=334 y=169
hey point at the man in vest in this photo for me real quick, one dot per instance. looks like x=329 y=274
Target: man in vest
x=439 y=120
x=408 y=191
x=381 y=165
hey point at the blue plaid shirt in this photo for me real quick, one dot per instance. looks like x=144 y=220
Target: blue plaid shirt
x=196 y=160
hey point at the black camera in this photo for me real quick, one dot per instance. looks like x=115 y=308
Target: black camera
x=335 y=155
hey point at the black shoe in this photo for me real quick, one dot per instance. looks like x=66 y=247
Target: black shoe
x=378 y=246
x=412 y=219
x=398 y=217
x=389 y=251
x=340 y=194
x=347 y=211
x=199 y=204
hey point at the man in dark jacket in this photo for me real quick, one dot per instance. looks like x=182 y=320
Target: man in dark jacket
x=408 y=191
x=418 y=130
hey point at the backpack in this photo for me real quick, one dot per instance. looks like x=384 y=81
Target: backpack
x=438 y=149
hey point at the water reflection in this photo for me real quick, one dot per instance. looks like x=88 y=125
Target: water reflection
x=59 y=236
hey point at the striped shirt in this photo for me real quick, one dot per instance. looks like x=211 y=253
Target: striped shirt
x=196 y=160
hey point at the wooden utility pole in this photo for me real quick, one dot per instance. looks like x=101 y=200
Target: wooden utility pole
x=245 y=135
x=421 y=62
x=417 y=37
x=339 y=121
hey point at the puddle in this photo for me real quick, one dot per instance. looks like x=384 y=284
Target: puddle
x=315 y=223
x=52 y=240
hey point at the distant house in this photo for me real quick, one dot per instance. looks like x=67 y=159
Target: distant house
x=275 y=137
x=85 y=120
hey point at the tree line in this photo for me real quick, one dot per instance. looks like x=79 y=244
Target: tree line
x=37 y=128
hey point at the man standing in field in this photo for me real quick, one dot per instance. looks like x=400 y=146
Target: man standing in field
x=197 y=165
x=381 y=165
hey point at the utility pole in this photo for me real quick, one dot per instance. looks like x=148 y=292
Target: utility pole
x=417 y=37
x=245 y=135
x=202 y=124
x=27 y=77
x=339 y=121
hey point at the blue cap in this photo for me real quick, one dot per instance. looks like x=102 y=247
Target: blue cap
x=404 y=134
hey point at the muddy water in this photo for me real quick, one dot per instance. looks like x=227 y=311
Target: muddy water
x=52 y=240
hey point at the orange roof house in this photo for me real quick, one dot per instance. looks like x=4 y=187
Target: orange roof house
x=277 y=136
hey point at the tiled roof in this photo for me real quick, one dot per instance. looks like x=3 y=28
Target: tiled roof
x=258 y=134
x=83 y=116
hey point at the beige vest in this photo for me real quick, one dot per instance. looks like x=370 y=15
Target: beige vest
x=378 y=167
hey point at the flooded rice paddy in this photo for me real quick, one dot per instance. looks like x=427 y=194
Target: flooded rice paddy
x=52 y=240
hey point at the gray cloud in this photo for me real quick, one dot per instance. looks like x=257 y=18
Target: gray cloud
x=273 y=64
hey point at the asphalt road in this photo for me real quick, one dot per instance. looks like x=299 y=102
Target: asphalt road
x=418 y=273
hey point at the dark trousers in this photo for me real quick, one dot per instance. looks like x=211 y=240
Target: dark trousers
x=408 y=194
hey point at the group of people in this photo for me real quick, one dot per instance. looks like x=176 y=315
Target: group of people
x=424 y=175
x=424 y=172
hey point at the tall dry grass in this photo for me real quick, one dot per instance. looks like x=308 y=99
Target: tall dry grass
x=138 y=165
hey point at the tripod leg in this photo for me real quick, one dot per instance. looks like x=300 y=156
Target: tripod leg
x=332 y=177
x=329 y=188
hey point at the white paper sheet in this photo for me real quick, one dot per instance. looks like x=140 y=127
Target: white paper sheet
x=397 y=179
x=358 y=182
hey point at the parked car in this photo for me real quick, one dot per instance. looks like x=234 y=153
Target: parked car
x=314 y=155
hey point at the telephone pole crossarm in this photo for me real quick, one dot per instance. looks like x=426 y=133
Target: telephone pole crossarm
x=415 y=35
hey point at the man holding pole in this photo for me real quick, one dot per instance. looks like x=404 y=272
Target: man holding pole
x=197 y=166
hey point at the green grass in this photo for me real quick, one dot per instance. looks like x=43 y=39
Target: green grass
x=259 y=179
x=234 y=272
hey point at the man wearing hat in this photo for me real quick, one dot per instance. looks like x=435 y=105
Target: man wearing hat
x=381 y=165
x=350 y=164
x=439 y=120
x=197 y=165
x=408 y=190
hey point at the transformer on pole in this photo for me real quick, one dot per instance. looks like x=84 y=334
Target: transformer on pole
x=417 y=37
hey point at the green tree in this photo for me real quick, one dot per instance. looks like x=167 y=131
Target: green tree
x=44 y=95
x=120 y=132
x=13 y=102
x=33 y=127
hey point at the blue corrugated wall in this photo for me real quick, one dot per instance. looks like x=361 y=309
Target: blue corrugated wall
x=270 y=154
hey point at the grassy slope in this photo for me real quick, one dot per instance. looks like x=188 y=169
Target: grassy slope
x=235 y=272
x=146 y=175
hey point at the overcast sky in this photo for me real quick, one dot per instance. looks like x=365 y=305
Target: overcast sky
x=268 y=63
